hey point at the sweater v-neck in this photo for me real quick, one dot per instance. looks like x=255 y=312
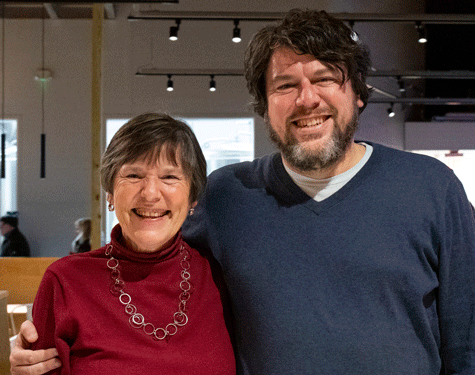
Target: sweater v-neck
x=288 y=188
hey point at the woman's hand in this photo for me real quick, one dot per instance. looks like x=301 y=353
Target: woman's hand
x=24 y=361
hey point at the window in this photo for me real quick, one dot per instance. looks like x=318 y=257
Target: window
x=223 y=141
x=8 y=185
x=461 y=162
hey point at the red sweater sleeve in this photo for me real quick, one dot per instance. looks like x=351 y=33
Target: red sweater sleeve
x=50 y=317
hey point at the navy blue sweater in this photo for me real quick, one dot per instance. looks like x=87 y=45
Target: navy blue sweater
x=377 y=279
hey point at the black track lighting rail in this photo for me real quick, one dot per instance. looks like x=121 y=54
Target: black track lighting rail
x=399 y=74
x=425 y=101
x=189 y=72
x=424 y=74
x=390 y=99
x=425 y=19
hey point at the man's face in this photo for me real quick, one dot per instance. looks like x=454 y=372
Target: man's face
x=4 y=228
x=312 y=115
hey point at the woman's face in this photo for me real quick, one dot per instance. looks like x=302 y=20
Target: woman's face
x=79 y=226
x=151 y=202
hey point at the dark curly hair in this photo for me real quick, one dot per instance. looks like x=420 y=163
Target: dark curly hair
x=309 y=32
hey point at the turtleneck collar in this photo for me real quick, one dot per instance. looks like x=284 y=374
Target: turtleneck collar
x=122 y=251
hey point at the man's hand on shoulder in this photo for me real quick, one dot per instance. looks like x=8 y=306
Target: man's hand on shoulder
x=24 y=361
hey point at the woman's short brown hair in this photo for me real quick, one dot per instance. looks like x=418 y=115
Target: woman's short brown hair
x=310 y=32
x=148 y=135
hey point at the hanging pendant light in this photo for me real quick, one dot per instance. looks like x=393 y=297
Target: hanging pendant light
x=42 y=83
x=4 y=141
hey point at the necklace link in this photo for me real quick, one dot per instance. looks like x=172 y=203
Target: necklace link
x=136 y=320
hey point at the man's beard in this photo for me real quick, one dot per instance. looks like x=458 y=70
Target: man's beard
x=310 y=160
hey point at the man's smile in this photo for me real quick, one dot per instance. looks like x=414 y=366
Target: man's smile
x=313 y=121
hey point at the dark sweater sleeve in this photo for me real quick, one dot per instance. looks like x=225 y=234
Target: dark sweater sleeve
x=457 y=284
x=196 y=232
x=49 y=312
x=195 y=229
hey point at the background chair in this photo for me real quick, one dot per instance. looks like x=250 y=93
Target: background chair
x=21 y=277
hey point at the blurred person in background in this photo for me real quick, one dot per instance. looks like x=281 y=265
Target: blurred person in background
x=14 y=243
x=81 y=244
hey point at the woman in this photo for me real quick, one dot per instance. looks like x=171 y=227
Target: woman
x=146 y=302
x=81 y=243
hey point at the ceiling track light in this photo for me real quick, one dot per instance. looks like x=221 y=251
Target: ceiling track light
x=212 y=84
x=236 y=32
x=391 y=111
x=174 y=30
x=422 y=32
x=402 y=86
x=170 y=83
x=354 y=34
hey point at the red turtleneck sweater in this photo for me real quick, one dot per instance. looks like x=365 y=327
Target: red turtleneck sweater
x=75 y=312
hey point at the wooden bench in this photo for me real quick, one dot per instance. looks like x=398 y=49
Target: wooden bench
x=21 y=277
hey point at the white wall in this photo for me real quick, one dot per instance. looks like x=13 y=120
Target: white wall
x=440 y=135
x=48 y=207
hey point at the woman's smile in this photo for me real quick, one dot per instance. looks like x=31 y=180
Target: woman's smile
x=149 y=214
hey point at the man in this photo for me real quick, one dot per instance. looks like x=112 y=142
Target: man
x=14 y=242
x=340 y=257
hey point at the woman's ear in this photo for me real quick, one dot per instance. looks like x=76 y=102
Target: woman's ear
x=191 y=211
x=110 y=200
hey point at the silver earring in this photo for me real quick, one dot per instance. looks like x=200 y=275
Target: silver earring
x=192 y=211
x=110 y=207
